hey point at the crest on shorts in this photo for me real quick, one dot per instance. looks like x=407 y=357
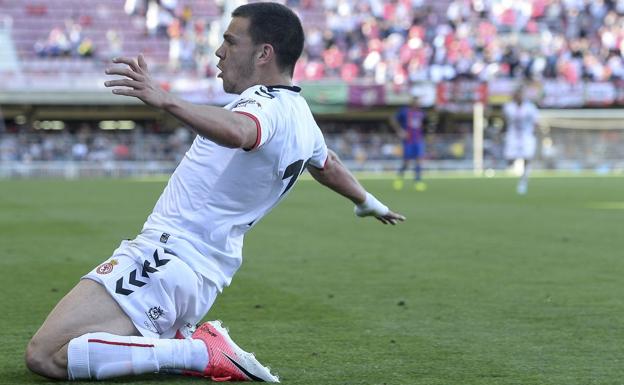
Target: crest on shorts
x=106 y=267
x=155 y=312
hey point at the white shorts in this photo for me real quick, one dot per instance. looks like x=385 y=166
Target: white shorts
x=519 y=147
x=158 y=291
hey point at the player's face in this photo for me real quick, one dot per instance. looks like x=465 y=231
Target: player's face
x=237 y=57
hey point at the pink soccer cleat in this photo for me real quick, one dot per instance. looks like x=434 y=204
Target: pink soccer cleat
x=227 y=361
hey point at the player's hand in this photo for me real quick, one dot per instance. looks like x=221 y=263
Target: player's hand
x=390 y=218
x=372 y=207
x=137 y=82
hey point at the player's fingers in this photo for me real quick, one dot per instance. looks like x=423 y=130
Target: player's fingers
x=122 y=83
x=126 y=92
x=391 y=221
x=382 y=220
x=129 y=61
x=392 y=218
x=396 y=216
x=123 y=71
x=142 y=62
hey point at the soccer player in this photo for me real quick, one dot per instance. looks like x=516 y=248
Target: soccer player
x=131 y=314
x=520 y=117
x=409 y=123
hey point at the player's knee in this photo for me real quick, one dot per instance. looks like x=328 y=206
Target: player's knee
x=40 y=360
x=34 y=358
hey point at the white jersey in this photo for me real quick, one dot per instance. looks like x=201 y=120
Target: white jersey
x=216 y=194
x=519 y=137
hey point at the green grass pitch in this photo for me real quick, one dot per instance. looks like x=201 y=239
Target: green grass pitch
x=479 y=286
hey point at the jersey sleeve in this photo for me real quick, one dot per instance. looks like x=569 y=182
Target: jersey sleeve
x=259 y=109
x=320 y=153
x=401 y=117
x=506 y=111
x=509 y=114
x=535 y=113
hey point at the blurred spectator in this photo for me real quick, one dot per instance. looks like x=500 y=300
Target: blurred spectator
x=80 y=151
x=86 y=48
x=115 y=43
x=121 y=151
x=67 y=41
x=135 y=7
x=174 y=32
x=74 y=34
x=159 y=16
x=57 y=44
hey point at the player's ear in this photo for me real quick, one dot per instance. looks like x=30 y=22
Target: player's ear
x=266 y=53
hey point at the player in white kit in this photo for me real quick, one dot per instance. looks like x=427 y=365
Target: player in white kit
x=135 y=312
x=520 y=117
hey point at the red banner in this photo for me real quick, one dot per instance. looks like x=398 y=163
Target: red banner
x=461 y=95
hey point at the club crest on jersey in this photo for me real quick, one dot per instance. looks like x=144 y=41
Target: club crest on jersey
x=107 y=267
x=246 y=102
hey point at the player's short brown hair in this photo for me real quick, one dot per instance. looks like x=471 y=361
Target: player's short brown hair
x=277 y=25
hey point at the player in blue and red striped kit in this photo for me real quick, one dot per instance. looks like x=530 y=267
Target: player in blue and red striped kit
x=409 y=123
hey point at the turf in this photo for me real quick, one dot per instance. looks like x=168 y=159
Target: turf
x=479 y=286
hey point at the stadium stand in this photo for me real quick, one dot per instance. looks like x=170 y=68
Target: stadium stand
x=42 y=32
x=399 y=41
x=403 y=41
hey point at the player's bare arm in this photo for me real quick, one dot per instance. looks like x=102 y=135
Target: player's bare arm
x=338 y=178
x=394 y=123
x=222 y=126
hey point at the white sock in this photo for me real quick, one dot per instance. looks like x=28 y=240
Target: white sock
x=527 y=170
x=525 y=175
x=102 y=355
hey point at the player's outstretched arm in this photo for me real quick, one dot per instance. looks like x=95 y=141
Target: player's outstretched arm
x=396 y=126
x=338 y=178
x=223 y=127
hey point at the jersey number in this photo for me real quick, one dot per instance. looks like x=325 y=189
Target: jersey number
x=293 y=171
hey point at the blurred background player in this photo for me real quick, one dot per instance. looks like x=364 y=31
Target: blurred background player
x=520 y=117
x=409 y=123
